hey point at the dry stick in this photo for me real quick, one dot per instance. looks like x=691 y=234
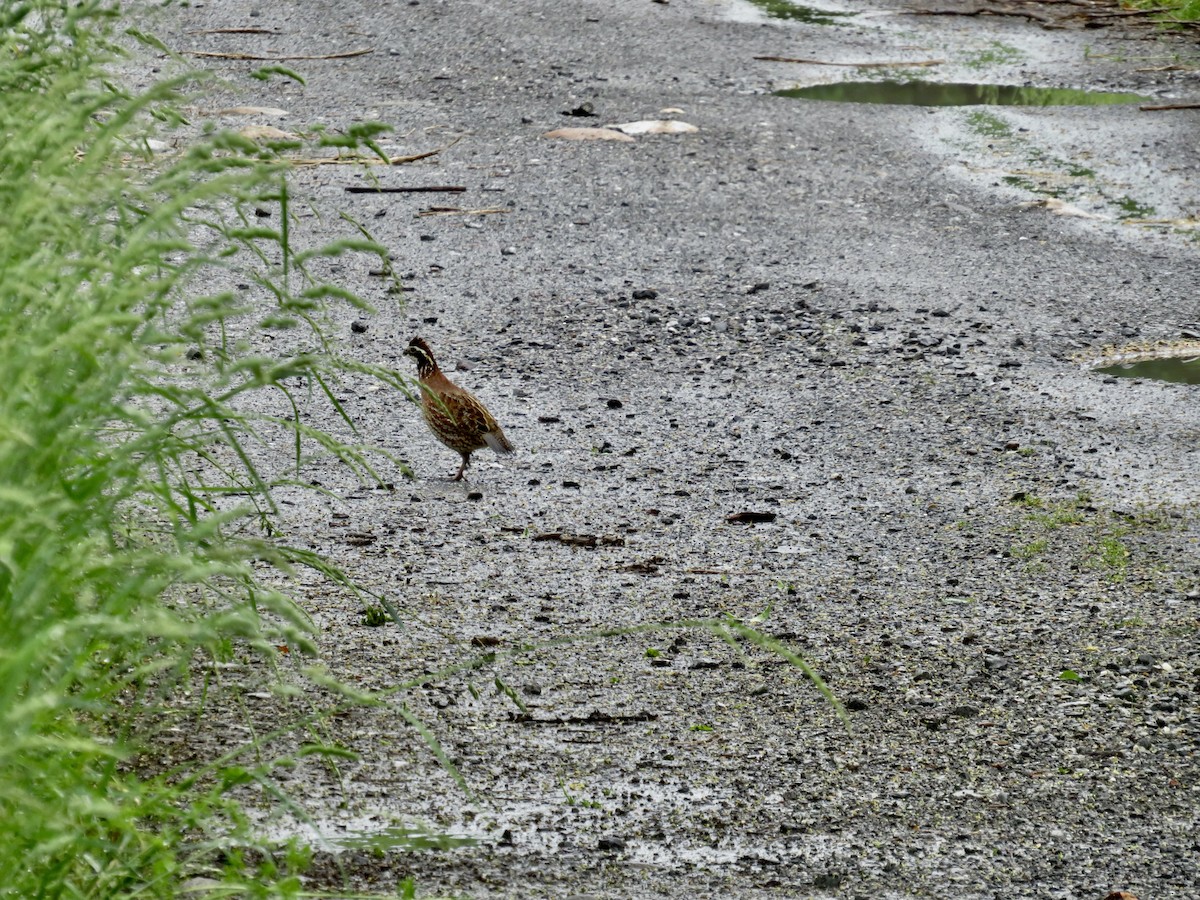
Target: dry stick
x=454 y=210
x=346 y=55
x=1170 y=68
x=425 y=189
x=370 y=160
x=236 y=31
x=981 y=11
x=1161 y=106
x=867 y=65
x=1122 y=13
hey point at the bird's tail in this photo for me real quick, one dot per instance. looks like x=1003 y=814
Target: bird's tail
x=498 y=442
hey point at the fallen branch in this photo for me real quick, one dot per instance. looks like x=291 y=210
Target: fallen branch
x=1156 y=107
x=1123 y=13
x=251 y=56
x=420 y=189
x=866 y=65
x=981 y=11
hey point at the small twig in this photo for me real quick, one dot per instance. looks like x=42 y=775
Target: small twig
x=454 y=210
x=1123 y=13
x=1164 y=223
x=1156 y=107
x=421 y=189
x=251 y=56
x=866 y=65
x=980 y=11
x=370 y=160
x=236 y=31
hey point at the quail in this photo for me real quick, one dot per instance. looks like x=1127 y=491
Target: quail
x=454 y=415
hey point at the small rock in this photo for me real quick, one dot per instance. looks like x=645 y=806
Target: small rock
x=358 y=326
x=614 y=844
x=645 y=294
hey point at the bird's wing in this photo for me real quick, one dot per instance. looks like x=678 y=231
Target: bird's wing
x=468 y=413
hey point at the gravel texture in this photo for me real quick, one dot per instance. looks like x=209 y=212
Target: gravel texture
x=839 y=315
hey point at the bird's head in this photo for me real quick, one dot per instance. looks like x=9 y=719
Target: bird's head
x=419 y=350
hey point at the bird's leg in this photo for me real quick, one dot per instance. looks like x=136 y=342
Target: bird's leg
x=466 y=461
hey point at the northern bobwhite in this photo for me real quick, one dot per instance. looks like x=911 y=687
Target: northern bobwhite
x=455 y=416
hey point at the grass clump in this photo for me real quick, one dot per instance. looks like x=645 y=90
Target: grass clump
x=1171 y=10
x=133 y=516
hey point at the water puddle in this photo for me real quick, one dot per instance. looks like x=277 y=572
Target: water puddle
x=400 y=837
x=1178 y=369
x=795 y=12
x=929 y=93
x=363 y=833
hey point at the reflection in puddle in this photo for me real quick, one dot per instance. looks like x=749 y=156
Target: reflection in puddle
x=1179 y=369
x=366 y=834
x=781 y=9
x=929 y=93
x=399 y=837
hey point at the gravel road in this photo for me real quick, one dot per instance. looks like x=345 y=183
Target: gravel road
x=870 y=324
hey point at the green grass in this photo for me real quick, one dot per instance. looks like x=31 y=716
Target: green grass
x=1182 y=10
x=1112 y=554
x=1058 y=515
x=1030 y=550
x=1132 y=209
x=995 y=54
x=134 y=523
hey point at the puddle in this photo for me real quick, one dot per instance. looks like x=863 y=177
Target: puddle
x=795 y=12
x=1179 y=369
x=929 y=93
x=400 y=837
x=363 y=833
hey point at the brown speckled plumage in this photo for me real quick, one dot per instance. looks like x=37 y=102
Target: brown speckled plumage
x=454 y=415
